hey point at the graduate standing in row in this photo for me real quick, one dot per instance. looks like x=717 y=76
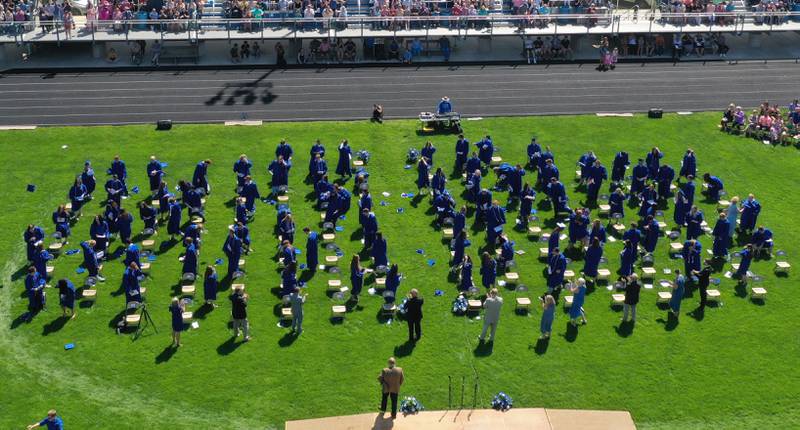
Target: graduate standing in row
x=34 y=286
x=120 y=172
x=78 y=195
x=595 y=176
x=591 y=260
x=155 y=172
x=279 y=170
x=90 y=262
x=66 y=295
x=242 y=169
x=688 y=165
x=721 y=236
x=618 y=168
x=210 y=285
x=345 y=157
x=61 y=220
x=250 y=193
x=200 y=177
x=666 y=174
x=356 y=278
x=751 y=208
x=462 y=150
x=33 y=236
x=527 y=197
x=233 y=250
x=88 y=179
x=495 y=220
x=317 y=149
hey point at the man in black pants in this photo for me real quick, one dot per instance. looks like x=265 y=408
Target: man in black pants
x=702 y=283
x=414 y=316
x=391 y=378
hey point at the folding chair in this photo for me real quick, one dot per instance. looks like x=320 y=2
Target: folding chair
x=523 y=303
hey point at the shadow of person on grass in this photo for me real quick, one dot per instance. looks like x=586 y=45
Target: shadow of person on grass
x=699 y=314
x=22 y=318
x=228 y=346
x=55 y=325
x=287 y=340
x=541 y=345
x=671 y=323
x=625 y=328
x=483 y=349
x=405 y=349
x=166 y=354
x=572 y=333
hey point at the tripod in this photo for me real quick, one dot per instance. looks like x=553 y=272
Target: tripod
x=146 y=321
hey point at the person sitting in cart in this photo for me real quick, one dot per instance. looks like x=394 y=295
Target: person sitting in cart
x=445 y=106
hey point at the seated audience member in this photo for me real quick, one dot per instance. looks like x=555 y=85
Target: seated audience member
x=377 y=113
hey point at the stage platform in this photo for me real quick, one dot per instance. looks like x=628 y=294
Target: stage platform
x=514 y=419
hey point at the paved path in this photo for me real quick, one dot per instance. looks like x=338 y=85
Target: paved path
x=348 y=93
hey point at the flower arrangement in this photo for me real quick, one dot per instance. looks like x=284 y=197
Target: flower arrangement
x=363 y=155
x=413 y=155
x=410 y=405
x=460 y=305
x=502 y=401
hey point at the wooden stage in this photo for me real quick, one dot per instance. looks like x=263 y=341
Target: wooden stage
x=514 y=419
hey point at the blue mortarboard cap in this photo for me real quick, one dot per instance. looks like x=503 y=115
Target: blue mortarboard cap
x=302 y=266
x=399 y=210
x=339 y=228
x=164 y=165
x=72 y=251
x=431 y=262
x=69 y=346
x=151 y=257
x=297 y=251
x=218 y=261
x=80 y=270
x=420 y=251
x=31 y=188
x=342 y=217
x=438 y=293
x=135 y=190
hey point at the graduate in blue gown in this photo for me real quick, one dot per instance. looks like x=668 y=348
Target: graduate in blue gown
x=61 y=220
x=233 y=250
x=119 y=171
x=640 y=173
x=482 y=204
x=88 y=179
x=287 y=253
x=692 y=255
x=651 y=232
x=243 y=233
x=616 y=202
x=527 y=197
x=280 y=174
x=427 y=151
x=534 y=151
x=488 y=270
x=193 y=231
x=370 y=228
x=688 y=165
x=323 y=190
x=200 y=176
x=591 y=260
x=666 y=174
x=240 y=212
x=596 y=174
x=585 y=162
x=132 y=255
x=556 y=265
x=445 y=207
x=190 y=258
x=462 y=150
x=648 y=201
x=618 y=168
x=174 y=222
x=633 y=235
x=365 y=201
x=356 y=277
x=681 y=208
x=744 y=264
x=148 y=215
x=333 y=205
x=115 y=189
x=715 y=186
x=33 y=235
x=749 y=214
x=286 y=228
x=66 y=295
x=627 y=258
x=34 y=287
x=458 y=245
x=40 y=259
x=392 y=283
x=378 y=251
x=652 y=160
x=154 y=172
x=597 y=231
x=312 y=249
x=473 y=186
x=688 y=191
x=473 y=163
x=515 y=182
x=423 y=169
x=250 y=194
x=678 y=289
x=111 y=215
x=316 y=149
x=284 y=150
x=288 y=279
x=694 y=221
x=131 y=282
x=495 y=220
x=176 y=309
x=558 y=197
x=125 y=226
x=465 y=276
x=578 y=227
x=721 y=236
x=761 y=240
x=242 y=168
x=485 y=150
x=460 y=221
x=506 y=256
x=78 y=195
x=99 y=232
x=547 y=173
x=439 y=182
x=318 y=168
x=554 y=239
x=343 y=203
x=345 y=155
x=210 y=285
x=90 y=262
x=163 y=195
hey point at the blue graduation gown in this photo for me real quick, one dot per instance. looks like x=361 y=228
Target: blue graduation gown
x=34 y=286
x=459 y=223
x=343 y=202
x=652 y=161
x=666 y=174
x=61 y=220
x=721 y=237
x=32 y=238
x=462 y=149
x=689 y=165
x=289 y=281
x=473 y=187
x=286 y=229
x=466 y=277
x=596 y=175
x=130 y=281
x=750 y=211
x=280 y=173
x=547 y=172
x=558 y=195
x=627 y=259
x=125 y=225
x=553 y=241
x=485 y=151
x=163 y=195
x=370 y=227
x=154 y=174
x=688 y=192
x=132 y=255
x=691 y=258
x=365 y=202
x=577 y=227
x=118 y=168
x=250 y=194
x=616 y=202
x=315 y=149
x=318 y=168
x=392 y=284
x=515 y=182
x=323 y=190
x=473 y=164
x=693 y=222
x=598 y=233
x=210 y=287
x=681 y=208
x=288 y=255
x=744 y=263
x=243 y=233
x=190 y=260
x=89 y=181
x=428 y=153
x=241 y=214
x=592 y=260
x=343 y=166
x=640 y=173
x=66 y=295
x=556 y=265
x=114 y=189
x=111 y=217
x=40 y=260
x=99 y=233
x=495 y=219
x=677 y=294
x=488 y=273
x=422 y=175
x=621 y=162
x=633 y=235
x=312 y=251
x=526 y=203
x=285 y=150
x=761 y=238
x=233 y=250
x=714 y=187
x=89 y=259
x=649 y=202
x=438 y=183
x=534 y=151
x=177 y=317
x=378 y=252
x=148 y=216
x=356 y=281
x=174 y=222
x=200 y=176
x=651 y=233
x=77 y=196
x=242 y=169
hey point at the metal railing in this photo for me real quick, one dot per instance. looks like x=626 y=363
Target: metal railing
x=428 y=27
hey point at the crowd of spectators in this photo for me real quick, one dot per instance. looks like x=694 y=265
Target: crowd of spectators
x=15 y=11
x=767 y=123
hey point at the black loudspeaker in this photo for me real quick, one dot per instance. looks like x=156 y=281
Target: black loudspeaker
x=655 y=113
x=164 y=124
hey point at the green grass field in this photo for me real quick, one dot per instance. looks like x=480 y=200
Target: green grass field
x=735 y=368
